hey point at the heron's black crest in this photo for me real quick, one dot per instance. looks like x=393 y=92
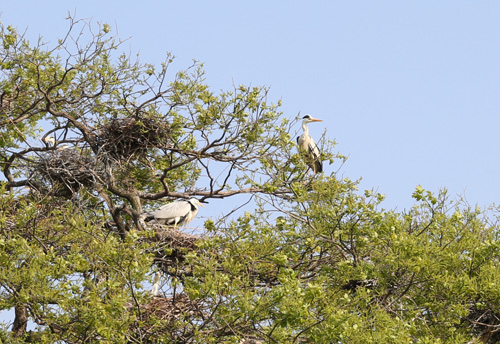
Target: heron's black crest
x=306 y=116
x=193 y=207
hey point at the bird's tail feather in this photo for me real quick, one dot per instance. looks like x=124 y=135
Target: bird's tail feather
x=318 y=166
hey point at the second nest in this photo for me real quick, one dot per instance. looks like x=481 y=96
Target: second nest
x=64 y=172
x=122 y=138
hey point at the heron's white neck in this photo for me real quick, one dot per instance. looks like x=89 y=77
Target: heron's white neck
x=156 y=285
x=305 y=128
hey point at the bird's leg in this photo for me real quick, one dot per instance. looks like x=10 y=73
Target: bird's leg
x=306 y=175
x=308 y=180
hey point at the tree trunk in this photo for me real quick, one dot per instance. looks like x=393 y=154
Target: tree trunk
x=20 y=321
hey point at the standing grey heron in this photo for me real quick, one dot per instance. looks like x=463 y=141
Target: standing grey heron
x=156 y=285
x=308 y=147
x=178 y=213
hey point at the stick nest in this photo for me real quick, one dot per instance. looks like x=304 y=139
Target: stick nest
x=125 y=137
x=171 y=249
x=161 y=315
x=174 y=237
x=169 y=308
x=485 y=323
x=65 y=171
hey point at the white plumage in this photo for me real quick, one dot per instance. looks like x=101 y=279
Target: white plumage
x=48 y=140
x=155 y=291
x=308 y=147
x=178 y=213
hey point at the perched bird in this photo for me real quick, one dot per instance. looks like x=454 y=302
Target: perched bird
x=308 y=147
x=155 y=291
x=178 y=213
x=63 y=147
x=48 y=140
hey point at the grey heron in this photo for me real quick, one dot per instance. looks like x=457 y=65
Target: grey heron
x=48 y=140
x=156 y=285
x=178 y=213
x=63 y=147
x=308 y=147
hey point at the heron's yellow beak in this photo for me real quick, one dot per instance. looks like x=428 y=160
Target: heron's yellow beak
x=316 y=120
x=199 y=203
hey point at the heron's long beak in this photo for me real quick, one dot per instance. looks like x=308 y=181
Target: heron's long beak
x=201 y=205
x=316 y=120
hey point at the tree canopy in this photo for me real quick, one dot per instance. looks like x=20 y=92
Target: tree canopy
x=91 y=137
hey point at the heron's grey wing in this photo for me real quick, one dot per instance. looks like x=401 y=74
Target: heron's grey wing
x=316 y=156
x=313 y=149
x=172 y=210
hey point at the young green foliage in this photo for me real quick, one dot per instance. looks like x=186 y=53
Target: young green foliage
x=316 y=260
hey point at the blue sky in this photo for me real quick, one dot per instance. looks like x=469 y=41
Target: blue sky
x=409 y=90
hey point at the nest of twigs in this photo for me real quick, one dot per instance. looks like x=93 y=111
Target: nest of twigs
x=65 y=171
x=486 y=323
x=159 y=316
x=171 y=308
x=172 y=248
x=174 y=237
x=125 y=137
